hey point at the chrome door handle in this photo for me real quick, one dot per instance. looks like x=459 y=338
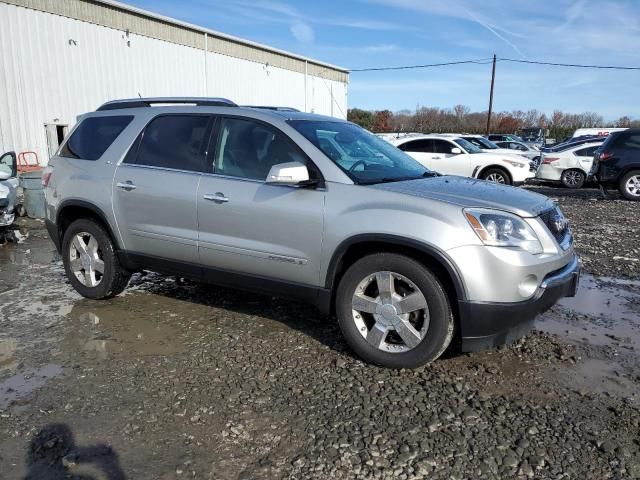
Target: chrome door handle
x=128 y=185
x=216 y=197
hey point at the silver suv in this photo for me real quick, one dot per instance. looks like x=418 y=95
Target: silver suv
x=309 y=207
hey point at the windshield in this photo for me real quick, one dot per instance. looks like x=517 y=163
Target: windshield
x=468 y=146
x=482 y=142
x=364 y=157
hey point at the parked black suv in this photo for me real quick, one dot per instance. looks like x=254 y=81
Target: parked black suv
x=616 y=164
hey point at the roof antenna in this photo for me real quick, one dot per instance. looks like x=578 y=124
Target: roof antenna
x=139 y=95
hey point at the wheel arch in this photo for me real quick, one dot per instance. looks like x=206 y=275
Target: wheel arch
x=356 y=247
x=71 y=210
x=497 y=167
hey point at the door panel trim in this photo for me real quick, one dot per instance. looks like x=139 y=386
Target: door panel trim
x=253 y=253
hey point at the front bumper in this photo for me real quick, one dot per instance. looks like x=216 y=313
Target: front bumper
x=486 y=325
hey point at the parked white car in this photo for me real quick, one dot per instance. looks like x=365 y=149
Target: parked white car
x=569 y=167
x=451 y=155
x=488 y=146
x=521 y=147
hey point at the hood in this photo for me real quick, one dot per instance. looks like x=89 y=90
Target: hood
x=470 y=192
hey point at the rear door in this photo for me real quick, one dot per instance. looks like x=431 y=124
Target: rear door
x=584 y=158
x=248 y=226
x=155 y=188
x=421 y=150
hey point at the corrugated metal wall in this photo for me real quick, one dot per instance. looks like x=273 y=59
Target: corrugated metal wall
x=53 y=68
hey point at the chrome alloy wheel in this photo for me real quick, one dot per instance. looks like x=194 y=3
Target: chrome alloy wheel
x=633 y=185
x=85 y=259
x=390 y=312
x=496 y=177
x=573 y=178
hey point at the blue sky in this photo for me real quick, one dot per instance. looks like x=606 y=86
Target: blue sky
x=370 y=33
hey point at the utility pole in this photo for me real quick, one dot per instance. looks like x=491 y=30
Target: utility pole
x=493 y=78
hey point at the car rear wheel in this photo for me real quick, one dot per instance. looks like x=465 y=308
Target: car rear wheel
x=496 y=175
x=573 y=178
x=630 y=185
x=393 y=311
x=90 y=261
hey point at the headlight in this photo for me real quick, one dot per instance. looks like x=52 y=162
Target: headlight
x=501 y=229
x=515 y=164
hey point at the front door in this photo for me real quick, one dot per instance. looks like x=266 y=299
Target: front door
x=155 y=188
x=421 y=150
x=448 y=163
x=248 y=226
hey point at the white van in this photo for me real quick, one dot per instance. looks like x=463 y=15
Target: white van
x=600 y=132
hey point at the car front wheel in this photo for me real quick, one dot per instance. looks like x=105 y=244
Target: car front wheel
x=630 y=185
x=496 y=175
x=393 y=311
x=90 y=261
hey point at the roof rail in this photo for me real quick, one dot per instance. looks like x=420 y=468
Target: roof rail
x=148 y=102
x=277 y=109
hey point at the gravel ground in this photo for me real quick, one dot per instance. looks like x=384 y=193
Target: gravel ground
x=180 y=380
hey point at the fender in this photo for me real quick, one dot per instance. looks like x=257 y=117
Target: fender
x=93 y=209
x=440 y=256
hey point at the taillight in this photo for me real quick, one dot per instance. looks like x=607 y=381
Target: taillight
x=604 y=156
x=548 y=160
x=46 y=176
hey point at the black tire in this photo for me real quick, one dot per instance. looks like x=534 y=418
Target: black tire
x=573 y=178
x=114 y=279
x=496 y=172
x=441 y=323
x=623 y=186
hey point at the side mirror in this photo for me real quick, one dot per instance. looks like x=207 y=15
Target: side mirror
x=291 y=173
x=456 y=151
x=4 y=175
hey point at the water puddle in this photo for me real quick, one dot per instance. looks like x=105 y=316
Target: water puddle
x=120 y=329
x=605 y=311
x=15 y=388
x=598 y=376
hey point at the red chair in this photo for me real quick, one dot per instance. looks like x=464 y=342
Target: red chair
x=28 y=162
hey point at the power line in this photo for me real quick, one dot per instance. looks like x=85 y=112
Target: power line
x=576 y=65
x=488 y=61
x=409 y=67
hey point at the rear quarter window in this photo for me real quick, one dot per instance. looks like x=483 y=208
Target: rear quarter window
x=93 y=136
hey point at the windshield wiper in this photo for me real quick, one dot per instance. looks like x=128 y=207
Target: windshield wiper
x=398 y=179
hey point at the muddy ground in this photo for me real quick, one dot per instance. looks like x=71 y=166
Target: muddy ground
x=179 y=380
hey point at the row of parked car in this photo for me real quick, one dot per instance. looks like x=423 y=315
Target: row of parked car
x=512 y=162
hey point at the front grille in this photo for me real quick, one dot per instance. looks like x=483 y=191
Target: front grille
x=548 y=218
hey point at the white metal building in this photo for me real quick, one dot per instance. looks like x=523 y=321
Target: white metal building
x=61 y=58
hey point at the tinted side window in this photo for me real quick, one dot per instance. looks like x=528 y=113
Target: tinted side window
x=93 y=136
x=442 y=146
x=418 y=146
x=585 y=152
x=632 y=141
x=175 y=141
x=249 y=149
